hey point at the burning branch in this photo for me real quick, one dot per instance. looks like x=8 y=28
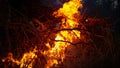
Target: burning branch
x=53 y=38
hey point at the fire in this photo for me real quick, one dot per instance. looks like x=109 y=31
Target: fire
x=71 y=16
x=28 y=59
x=56 y=53
x=69 y=11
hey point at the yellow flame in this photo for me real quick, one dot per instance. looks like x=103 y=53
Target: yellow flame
x=63 y=39
x=69 y=10
x=28 y=59
x=70 y=20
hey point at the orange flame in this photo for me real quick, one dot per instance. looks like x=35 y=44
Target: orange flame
x=70 y=20
x=28 y=59
x=63 y=39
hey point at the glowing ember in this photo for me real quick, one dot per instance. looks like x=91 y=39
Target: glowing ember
x=70 y=20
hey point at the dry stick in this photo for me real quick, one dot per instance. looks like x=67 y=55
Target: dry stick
x=63 y=41
x=23 y=29
x=54 y=31
x=70 y=29
x=70 y=42
x=25 y=17
x=76 y=35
